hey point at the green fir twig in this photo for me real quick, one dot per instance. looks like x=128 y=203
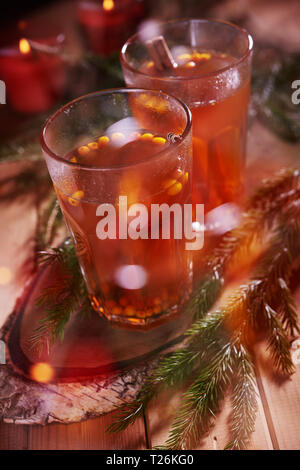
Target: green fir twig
x=215 y=358
x=218 y=344
x=64 y=297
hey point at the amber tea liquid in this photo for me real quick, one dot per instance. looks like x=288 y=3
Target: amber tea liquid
x=219 y=125
x=135 y=282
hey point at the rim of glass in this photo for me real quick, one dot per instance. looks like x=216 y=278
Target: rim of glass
x=109 y=91
x=243 y=31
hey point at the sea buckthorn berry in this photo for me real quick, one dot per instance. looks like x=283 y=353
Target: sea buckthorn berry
x=140 y=314
x=168 y=183
x=151 y=102
x=129 y=311
x=156 y=310
x=103 y=140
x=157 y=104
x=83 y=150
x=186 y=177
x=201 y=55
x=73 y=160
x=116 y=310
x=146 y=136
x=190 y=64
x=65 y=186
x=117 y=136
x=175 y=189
x=184 y=56
x=161 y=106
x=93 y=145
x=150 y=64
x=74 y=200
x=159 y=140
x=136 y=135
x=143 y=97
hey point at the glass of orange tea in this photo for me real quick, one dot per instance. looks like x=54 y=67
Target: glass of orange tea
x=112 y=155
x=207 y=64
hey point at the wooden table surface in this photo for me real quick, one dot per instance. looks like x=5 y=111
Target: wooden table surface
x=278 y=418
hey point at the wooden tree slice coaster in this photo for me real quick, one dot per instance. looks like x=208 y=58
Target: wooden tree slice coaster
x=95 y=369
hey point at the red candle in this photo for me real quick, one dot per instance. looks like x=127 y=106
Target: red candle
x=107 y=23
x=34 y=78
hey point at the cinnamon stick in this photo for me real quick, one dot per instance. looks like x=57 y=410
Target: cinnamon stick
x=160 y=54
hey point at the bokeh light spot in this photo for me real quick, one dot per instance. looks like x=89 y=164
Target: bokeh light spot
x=131 y=276
x=42 y=372
x=5 y=275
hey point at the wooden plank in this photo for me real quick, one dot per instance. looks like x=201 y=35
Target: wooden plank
x=282 y=403
x=13 y=437
x=18 y=220
x=282 y=398
x=165 y=406
x=88 y=435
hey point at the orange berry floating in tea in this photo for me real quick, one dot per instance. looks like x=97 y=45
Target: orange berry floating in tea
x=207 y=64
x=121 y=163
x=219 y=125
x=132 y=281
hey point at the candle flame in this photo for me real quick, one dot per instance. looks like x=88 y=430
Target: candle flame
x=24 y=46
x=108 y=4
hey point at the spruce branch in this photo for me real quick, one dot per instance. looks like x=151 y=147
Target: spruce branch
x=246 y=310
x=277 y=312
x=170 y=371
x=65 y=296
x=215 y=356
x=205 y=294
x=264 y=211
x=201 y=402
x=280 y=187
x=50 y=220
x=278 y=342
x=287 y=308
x=244 y=402
x=273 y=73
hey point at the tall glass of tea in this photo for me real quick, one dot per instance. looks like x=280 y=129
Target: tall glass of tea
x=207 y=64
x=113 y=156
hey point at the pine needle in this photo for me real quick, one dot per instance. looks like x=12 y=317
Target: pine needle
x=65 y=296
x=214 y=358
